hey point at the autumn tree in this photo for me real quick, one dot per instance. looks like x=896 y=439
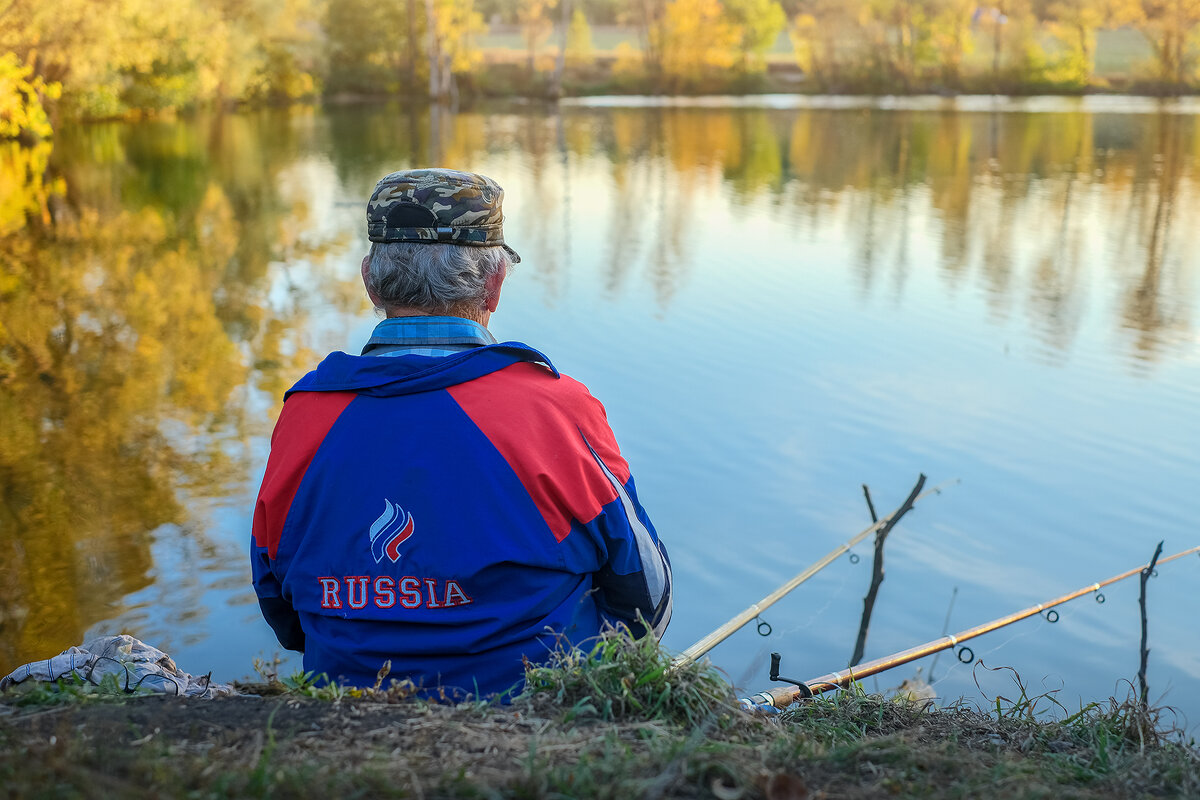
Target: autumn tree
x=899 y=36
x=375 y=45
x=759 y=23
x=646 y=17
x=143 y=54
x=951 y=38
x=695 y=38
x=1171 y=27
x=1013 y=31
x=22 y=110
x=826 y=38
x=534 y=19
x=1073 y=23
x=566 y=18
x=450 y=48
x=86 y=52
x=579 y=38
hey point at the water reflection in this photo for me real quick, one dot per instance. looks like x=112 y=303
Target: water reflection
x=1020 y=202
x=158 y=281
x=1155 y=303
x=133 y=284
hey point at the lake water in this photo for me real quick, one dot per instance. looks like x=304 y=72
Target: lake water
x=777 y=301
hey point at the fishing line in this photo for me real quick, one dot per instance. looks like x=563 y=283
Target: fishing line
x=945 y=630
x=760 y=657
x=810 y=619
x=1019 y=634
x=830 y=598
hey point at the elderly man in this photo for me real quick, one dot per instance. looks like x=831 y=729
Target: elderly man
x=445 y=502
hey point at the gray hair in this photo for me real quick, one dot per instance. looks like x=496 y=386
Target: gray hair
x=432 y=277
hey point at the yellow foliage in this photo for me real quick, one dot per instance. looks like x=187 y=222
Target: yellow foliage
x=534 y=21
x=25 y=187
x=759 y=23
x=802 y=32
x=826 y=35
x=125 y=55
x=1173 y=30
x=629 y=61
x=1073 y=24
x=579 y=38
x=457 y=23
x=951 y=37
x=695 y=38
x=22 y=115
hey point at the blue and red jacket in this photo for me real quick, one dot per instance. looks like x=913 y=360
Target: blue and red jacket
x=453 y=515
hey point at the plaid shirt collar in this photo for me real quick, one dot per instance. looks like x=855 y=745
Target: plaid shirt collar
x=426 y=336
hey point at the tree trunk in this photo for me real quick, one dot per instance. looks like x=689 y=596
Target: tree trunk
x=561 y=65
x=995 y=53
x=449 y=84
x=1085 y=48
x=435 y=60
x=412 y=46
x=530 y=50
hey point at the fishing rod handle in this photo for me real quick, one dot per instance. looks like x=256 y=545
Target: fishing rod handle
x=779 y=698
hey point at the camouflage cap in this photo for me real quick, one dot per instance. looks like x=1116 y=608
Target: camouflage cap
x=438 y=205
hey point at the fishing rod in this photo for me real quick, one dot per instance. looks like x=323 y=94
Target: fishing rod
x=729 y=628
x=784 y=696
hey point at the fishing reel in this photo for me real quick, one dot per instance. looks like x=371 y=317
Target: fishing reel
x=805 y=692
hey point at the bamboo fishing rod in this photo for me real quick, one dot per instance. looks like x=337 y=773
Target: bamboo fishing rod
x=783 y=697
x=729 y=628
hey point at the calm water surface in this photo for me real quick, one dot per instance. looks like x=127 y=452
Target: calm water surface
x=776 y=305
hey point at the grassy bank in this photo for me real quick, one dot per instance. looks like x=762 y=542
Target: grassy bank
x=618 y=725
x=1123 y=64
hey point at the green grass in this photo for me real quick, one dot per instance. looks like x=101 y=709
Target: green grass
x=621 y=678
x=71 y=689
x=1123 y=60
x=1121 y=53
x=605 y=39
x=614 y=722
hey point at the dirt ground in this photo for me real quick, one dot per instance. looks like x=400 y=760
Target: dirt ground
x=244 y=733
x=291 y=745
x=294 y=746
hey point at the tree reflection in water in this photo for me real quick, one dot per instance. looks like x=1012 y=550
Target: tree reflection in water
x=133 y=301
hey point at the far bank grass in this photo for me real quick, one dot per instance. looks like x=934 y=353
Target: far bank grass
x=615 y=725
x=1123 y=62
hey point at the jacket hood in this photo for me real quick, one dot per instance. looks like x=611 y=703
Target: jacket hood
x=389 y=376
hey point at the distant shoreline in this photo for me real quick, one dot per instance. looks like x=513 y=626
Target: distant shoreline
x=1093 y=103
x=1107 y=103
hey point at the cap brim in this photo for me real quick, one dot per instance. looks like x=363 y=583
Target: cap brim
x=516 y=259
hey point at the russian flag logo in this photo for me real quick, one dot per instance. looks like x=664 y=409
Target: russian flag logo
x=390 y=531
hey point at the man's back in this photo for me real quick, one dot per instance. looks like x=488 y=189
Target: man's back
x=451 y=514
